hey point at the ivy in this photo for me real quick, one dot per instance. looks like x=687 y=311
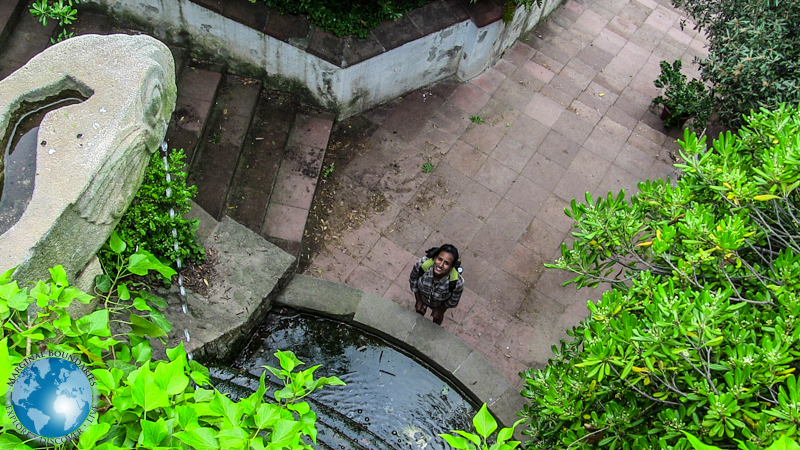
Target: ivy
x=148 y=224
x=145 y=404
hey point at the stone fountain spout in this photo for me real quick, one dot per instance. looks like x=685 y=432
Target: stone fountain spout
x=90 y=157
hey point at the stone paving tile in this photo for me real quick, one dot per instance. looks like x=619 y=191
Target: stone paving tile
x=410 y=232
x=512 y=153
x=469 y=98
x=333 y=264
x=495 y=176
x=478 y=200
x=459 y=225
x=284 y=221
x=387 y=258
x=403 y=297
x=603 y=144
x=499 y=114
x=465 y=158
x=542 y=238
x=489 y=80
x=544 y=110
x=358 y=242
x=543 y=171
x=524 y=264
x=368 y=280
x=559 y=149
x=527 y=195
x=483 y=136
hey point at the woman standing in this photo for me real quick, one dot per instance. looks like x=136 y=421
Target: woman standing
x=436 y=281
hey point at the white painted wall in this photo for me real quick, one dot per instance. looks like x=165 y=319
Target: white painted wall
x=462 y=49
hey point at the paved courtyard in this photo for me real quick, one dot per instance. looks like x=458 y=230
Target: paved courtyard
x=565 y=111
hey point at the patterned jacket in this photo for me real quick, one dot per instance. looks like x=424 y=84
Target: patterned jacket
x=435 y=293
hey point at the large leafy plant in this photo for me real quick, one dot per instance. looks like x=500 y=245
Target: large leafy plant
x=145 y=404
x=682 y=99
x=147 y=224
x=485 y=425
x=754 y=53
x=699 y=331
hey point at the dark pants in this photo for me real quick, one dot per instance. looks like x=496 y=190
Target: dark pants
x=436 y=313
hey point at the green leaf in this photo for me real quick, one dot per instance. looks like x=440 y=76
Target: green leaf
x=20 y=301
x=187 y=417
x=268 y=415
x=123 y=292
x=699 y=445
x=200 y=438
x=10 y=442
x=146 y=392
x=224 y=406
x=59 y=276
x=765 y=197
x=102 y=283
x=284 y=432
x=91 y=435
x=105 y=380
x=117 y=245
x=170 y=377
x=457 y=441
x=142 y=327
x=142 y=352
x=484 y=422
x=95 y=324
x=140 y=264
x=153 y=432
x=288 y=360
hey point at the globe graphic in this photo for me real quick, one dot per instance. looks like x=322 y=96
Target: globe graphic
x=52 y=397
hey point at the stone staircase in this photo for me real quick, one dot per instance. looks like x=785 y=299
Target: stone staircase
x=254 y=154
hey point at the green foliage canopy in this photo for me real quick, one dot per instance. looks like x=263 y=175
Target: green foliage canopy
x=699 y=331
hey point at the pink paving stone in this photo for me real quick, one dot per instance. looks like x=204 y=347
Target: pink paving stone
x=527 y=195
x=586 y=112
x=387 y=258
x=478 y=200
x=359 y=242
x=652 y=4
x=525 y=343
x=468 y=300
x=495 y=176
x=403 y=277
x=492 y=244
x=680 y=36
x=484 y=136
x=524 y=264
x=509 y=219
x=332 y=264
x=403 y=297
x=512 y=153
x=544 y=110
x=368 y=280
x=590 y=22
x=294 y=189
x=518 y=53
x=609 y=41
x=573 y=186
x=539 y=71
x=478 y=271
x=285 y=222
x=505 y=67
x=469 y=98
x=541 y=238
x=459 y=225
x=465 y=158
x=484 y=323
x=311 y=131
x=552 y=213
x=506 y=292
x=543 y=171
x=489 y=80
x=660 y=20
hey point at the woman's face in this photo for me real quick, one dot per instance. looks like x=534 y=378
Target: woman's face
x=442 y=263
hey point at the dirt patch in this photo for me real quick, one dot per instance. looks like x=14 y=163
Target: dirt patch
x=340 y=203
x=199 y=277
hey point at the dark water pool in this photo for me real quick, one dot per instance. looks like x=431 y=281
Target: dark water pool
x=390 y=396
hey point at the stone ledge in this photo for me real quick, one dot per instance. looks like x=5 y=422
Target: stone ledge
x=297 y=30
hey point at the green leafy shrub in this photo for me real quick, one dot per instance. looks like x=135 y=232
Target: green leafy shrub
x=147 y=223
x=754 y=53
x=59 y=10
x=485 y=425
x=145 y=404
x=683 y=100
x=699 y=332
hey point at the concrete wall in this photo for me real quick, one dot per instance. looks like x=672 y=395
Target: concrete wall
x=462 y=49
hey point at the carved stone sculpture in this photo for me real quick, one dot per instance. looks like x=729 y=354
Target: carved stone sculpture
x=91 y=156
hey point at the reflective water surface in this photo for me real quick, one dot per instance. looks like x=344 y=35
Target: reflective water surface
x=396 y=401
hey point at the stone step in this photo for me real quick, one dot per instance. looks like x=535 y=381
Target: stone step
x=197 y=88
x=250 y=274
x=296 y=180
x=255 y=174
x=217 y=153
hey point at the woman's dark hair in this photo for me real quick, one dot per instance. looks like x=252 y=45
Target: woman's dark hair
x=432 y=252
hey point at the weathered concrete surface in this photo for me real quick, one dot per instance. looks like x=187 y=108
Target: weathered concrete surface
x=251 y=272
x=91 y=156
x=463 y=49
x=405 y=328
